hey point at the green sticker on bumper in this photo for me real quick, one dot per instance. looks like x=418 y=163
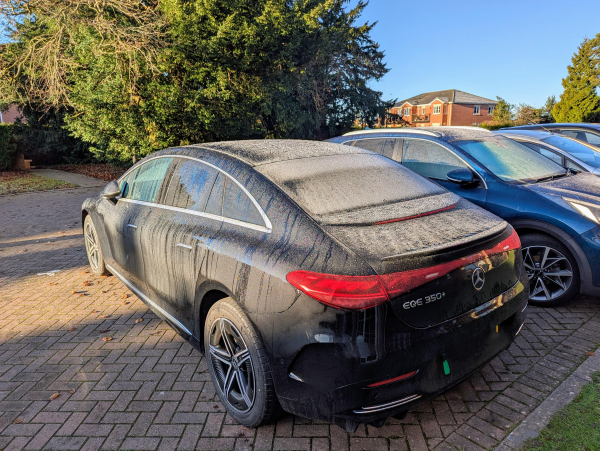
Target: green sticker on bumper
x=446 y=368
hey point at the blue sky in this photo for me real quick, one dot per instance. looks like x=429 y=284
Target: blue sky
x=518 y=50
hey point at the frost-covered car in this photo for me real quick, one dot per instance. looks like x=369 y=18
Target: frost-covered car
x=321 y=278
x=582 y=131
x=568 y=152
x=555 y=211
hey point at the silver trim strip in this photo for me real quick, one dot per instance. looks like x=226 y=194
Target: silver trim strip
x=201 y=214
x=520 y=329
x=185 y=246
x=132 y=226
x=389 y=405
x=392 y=130
x=268 y=226
x=147 y=300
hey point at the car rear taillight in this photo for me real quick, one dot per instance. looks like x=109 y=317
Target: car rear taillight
x=401 y=282
x=361 y=292
x=347 y=292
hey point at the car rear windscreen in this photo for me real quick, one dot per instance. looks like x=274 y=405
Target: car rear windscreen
x=329 y=185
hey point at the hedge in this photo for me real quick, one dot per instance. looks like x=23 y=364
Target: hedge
x=8 y=149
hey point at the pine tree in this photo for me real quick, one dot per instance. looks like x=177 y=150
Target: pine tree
x=580 y=101
x=503 y=112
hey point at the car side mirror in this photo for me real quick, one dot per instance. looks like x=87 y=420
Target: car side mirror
x=111 y=190
x=462 y=176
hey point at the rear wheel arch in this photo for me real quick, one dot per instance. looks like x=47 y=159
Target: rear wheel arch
x=529 y=226
x=84 y=214
x=205 y=301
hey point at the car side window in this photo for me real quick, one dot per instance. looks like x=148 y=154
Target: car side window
x=237 y=205
x=144 y=183
x=394 y=148
x=190 y=185
x=545 y=152
x=215 y=201
x=572 y=165
x=124 y=185
x=374 y=145
x=430 y=159
x=592 y=138
x=577 y=134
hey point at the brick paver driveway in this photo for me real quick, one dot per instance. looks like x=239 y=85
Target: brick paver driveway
x=85 y=364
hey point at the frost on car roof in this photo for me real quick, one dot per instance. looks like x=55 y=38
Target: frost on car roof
x=264 y=151
x=341 y=188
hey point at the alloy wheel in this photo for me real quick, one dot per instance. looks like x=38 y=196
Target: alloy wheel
x=91 y=245
x=550 y=273
x=232 y=365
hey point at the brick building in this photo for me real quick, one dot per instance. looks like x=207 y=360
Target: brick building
x=9 y=116
x=449 y=107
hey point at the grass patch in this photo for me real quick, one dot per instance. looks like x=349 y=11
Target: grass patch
x=574 y=428
x=23 y=182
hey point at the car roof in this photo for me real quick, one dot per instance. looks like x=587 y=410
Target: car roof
x=265 y=151
x=559 y=124
x=448 y=133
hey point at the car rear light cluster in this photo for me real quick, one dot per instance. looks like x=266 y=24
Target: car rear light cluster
x=361 y=292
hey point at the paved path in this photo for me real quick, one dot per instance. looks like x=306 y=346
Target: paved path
x=148 y=389
x=77 y=179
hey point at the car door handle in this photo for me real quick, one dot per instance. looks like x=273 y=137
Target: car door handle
x=184 y=246
x=132 y=226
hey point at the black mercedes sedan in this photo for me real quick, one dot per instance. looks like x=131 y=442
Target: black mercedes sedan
x=323 y=279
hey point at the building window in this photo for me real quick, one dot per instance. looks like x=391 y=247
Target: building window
x=407 y=111
x=422 y=110
x=437 y=109
x=476 y=109
x=490 y=110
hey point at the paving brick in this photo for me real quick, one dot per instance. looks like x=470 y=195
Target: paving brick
x=365 y=444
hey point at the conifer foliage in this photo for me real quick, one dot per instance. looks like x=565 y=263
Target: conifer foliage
x=580 y=101
x=136 y=76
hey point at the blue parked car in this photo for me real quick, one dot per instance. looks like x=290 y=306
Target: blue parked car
x=568 y=152
x=555 y=210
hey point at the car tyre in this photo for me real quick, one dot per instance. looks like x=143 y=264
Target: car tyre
x=239 y=366
x=552 y=270
x=92 y=248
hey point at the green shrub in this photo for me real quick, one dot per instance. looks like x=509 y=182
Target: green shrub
x=491 y=125
x=8 y=149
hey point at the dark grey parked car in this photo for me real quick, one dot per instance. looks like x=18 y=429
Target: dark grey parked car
x=321 y=278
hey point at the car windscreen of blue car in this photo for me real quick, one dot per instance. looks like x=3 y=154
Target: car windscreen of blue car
x=509 y=160
x=586 y=153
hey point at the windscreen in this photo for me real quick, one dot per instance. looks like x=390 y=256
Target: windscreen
x=334 y=184
x=586 y=153
x=509 y=160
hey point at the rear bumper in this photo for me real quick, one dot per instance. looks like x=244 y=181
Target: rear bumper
x=466 y=343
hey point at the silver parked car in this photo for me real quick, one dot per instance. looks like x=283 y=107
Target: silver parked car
x=568 y=152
